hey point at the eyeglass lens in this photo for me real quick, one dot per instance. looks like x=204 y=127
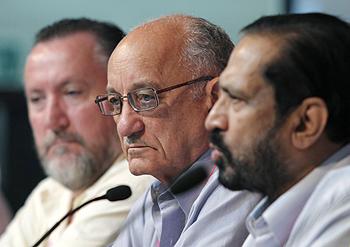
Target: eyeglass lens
x=143 y=99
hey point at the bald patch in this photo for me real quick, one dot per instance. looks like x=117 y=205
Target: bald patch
x=159 y=44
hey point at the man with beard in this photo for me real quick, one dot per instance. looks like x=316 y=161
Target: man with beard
x=281 y=127
x=161 y=80
x=78 y=148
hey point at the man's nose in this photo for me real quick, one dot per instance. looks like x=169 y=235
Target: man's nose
x=128 y=121
x=217 y=118
x=56 y=116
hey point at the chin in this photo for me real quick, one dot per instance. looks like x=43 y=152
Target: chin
x=227 y=178
x=138 y=167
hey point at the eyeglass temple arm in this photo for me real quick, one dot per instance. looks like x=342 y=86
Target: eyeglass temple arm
x=204 y=78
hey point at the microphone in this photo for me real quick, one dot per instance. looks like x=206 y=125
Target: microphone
x=117 y=193
x=189 y=179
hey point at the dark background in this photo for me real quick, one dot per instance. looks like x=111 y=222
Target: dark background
x=20 y=168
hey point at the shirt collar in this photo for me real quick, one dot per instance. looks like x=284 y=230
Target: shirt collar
x=185 y=199
x=279 y=217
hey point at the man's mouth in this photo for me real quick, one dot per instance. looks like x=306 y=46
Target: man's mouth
x=60 y=144
x=216 y=155
x=219 y=156
x=137 y=146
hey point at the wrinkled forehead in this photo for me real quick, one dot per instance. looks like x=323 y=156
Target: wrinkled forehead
x=145 y=58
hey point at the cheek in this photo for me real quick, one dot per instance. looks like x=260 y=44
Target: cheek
x=241 y=133
x=237 y=131
x=245 y=131
x=161 y=135
x=90 y=124
x=120 y=139
x=37 y=126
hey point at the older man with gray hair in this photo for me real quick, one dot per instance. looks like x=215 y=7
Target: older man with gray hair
x=161 y=86
x=78 y=148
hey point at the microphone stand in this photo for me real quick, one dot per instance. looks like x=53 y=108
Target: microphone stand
x=181 y=184
x=72 y=211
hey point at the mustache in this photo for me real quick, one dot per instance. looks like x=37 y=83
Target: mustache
x=52 y=137
x=133 y=139
x=216 y=139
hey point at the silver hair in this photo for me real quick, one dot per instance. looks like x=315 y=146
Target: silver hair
x=207 y=47
x=206 y=51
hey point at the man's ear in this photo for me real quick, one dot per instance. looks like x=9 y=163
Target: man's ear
x=212 y=89
x=308 y=122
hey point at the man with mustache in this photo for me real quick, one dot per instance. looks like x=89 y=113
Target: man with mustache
x=78 y=148
x=161 y=86
x=281 y=127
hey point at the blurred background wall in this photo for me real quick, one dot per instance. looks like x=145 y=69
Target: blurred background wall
x=340 y=8
x=20 y=20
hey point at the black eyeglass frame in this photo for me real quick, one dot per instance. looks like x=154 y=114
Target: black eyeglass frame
x=100 y=98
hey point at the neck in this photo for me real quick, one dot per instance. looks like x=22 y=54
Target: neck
x=304 y=162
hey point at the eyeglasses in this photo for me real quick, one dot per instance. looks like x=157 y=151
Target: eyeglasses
x=142 y=99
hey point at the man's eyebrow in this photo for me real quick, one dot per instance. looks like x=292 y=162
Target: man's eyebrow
x=60 y=86
x=34 y=90
x=143 y=84
x=136 y=85
x=233 y=92
x=110 y=90
x=223 y=87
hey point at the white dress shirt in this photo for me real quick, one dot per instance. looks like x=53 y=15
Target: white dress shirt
x=207 y=215
x=95 y=225
x=280 y=223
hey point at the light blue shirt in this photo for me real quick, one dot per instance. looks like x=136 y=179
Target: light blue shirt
x=305 y=213
x=207 y=215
